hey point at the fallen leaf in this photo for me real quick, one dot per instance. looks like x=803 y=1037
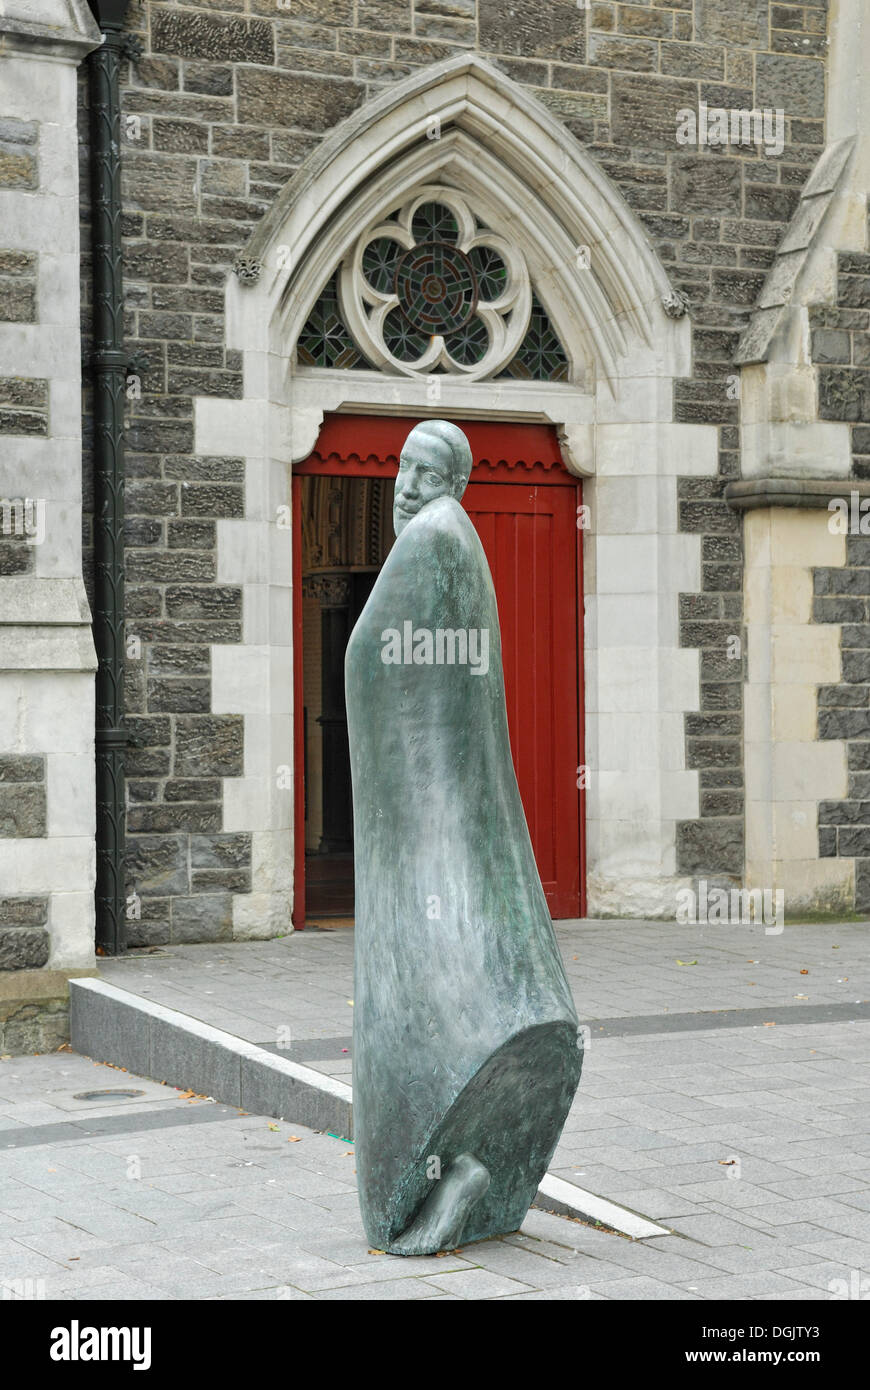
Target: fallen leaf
x=350 y=1001
x=768 y=1025
x=373 y=1251
x=727 y=1162
x=294 y=1139
x=687 y=962
x=274 y=1129
x=805 y=972
x=800 y=996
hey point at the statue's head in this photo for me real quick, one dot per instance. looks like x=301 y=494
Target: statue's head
x=435 y=462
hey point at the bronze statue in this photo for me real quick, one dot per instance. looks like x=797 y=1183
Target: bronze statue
x=466 y=1051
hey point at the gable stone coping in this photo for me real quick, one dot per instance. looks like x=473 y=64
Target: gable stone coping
x=793 y=253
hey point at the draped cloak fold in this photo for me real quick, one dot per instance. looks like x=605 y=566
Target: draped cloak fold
x=465 y=1034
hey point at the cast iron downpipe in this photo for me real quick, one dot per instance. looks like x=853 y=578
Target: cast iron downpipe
x=109 y=366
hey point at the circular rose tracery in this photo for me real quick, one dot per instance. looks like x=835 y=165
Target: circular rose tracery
x=432 y=289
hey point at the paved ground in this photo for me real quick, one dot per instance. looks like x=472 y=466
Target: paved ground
x=296 y=994
x=750 y=1140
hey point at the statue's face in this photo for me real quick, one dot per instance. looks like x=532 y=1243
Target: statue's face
x=425 y=472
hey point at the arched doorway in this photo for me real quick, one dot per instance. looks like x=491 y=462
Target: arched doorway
x=524 y=504
x=577 y=264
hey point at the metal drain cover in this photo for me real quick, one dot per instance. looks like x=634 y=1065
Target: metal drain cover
x=119 y=1094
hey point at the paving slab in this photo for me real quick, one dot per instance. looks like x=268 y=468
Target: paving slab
x=747 y=1136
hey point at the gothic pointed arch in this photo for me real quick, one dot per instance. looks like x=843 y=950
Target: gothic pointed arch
x=522 y=191
x=585 y=274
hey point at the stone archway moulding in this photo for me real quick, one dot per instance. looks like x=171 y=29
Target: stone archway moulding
x=463 y=124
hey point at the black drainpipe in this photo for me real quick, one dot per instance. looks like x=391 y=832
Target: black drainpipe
x=109 y=364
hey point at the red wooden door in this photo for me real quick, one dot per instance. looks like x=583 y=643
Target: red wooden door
x=523 y=503
x=529 y=533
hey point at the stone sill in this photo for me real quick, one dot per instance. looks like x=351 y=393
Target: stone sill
x=749 y=494
x=34 y=986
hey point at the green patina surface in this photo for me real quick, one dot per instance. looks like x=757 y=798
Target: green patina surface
x=465 y=1033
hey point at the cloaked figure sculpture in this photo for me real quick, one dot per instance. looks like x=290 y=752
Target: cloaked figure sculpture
x=466 y=1051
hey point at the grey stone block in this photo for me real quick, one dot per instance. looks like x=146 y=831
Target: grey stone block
x=223 y=851
x=842 y=723
x=28 y=1026
x=109 y=1030
x=20 y=768
x=23 y=947
x=710 y=846
x=23 y=912
x=831 y=345
x=209 y=745
x=213 y=37
x=207 y=917
x=742 y=23
x=157 y=865
x=168 y=818
x=22 y=811
x=527 y=29
x=838 y=608
x=268 y=1089
x=187 y=1054
x=862 y=885
x=854 y=842
x=18 y=167
x=318 y=102
x=795 y=84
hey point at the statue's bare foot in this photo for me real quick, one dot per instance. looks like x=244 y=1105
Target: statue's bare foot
x=439 y=1222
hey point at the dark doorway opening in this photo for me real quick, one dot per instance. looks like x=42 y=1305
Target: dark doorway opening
x=346 y=534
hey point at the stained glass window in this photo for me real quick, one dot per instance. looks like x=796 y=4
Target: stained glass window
x=540 y=356
x=379 y=263
x=402 y=340
x=490 y=270
x=437 y=288
x=453 y=282
x=434 y=222
x=469 y=344
x=325 y=340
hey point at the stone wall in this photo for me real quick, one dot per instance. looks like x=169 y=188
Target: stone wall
x=46 y=650
x=23 y=401
x=224 y=104
x=792 y=661
x=841 y=347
